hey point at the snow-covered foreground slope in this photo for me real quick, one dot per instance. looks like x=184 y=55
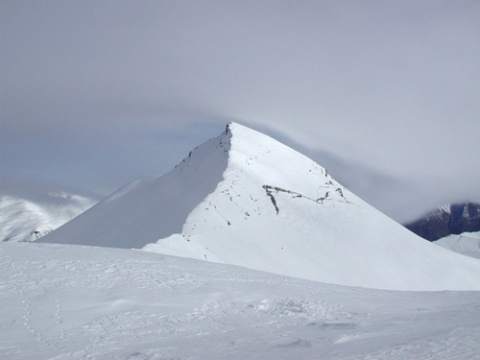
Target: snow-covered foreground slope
x=71 y=302
x=26 y=217
x=245 y=199
x=467 y=243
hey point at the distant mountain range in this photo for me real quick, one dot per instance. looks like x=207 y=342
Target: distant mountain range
x=28 y=213
x=242 y=198
x=448 y=220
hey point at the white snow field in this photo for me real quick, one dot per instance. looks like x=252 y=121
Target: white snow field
x=75 y=302
x=467 y=243
x=31 y=214
x=245 y=199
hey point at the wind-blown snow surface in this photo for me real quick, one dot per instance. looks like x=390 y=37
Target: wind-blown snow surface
x=245 y=199
x=27 y=216
x=72 y=302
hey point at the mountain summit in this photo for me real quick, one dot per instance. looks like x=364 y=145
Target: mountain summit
x=245 y=199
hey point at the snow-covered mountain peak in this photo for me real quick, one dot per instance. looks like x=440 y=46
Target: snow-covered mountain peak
x=243 y=198
x=280 y=168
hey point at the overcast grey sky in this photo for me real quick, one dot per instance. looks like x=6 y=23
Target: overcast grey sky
x=384 y=93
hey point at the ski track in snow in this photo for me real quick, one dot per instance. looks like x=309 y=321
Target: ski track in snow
x=72 y=302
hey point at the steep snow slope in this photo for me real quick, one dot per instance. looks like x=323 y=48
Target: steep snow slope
x=467 y=243
x=144 y=211
x=245 y=199
x=25 y=217
x=72 y=302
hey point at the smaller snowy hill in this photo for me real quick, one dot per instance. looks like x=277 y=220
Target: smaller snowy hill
x=455 y=227
x=245 y=199
x=26 y=214
x=447 y=220
x=467 y=243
